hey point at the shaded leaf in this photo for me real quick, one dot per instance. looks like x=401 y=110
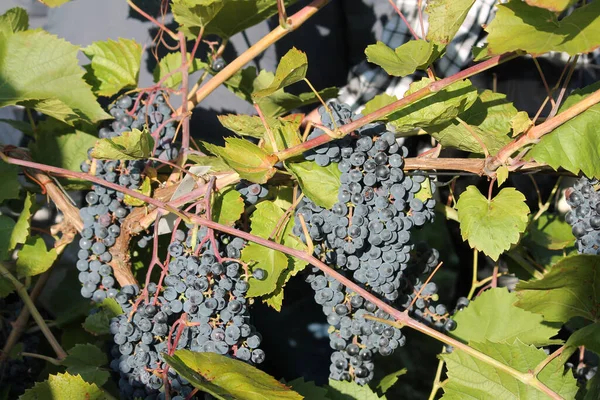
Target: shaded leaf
x=14 y=20
x=21 y=230
x=588 y=336
x=63 y=387
x=493 y=317
x=9 y=185
x=86 y=360
x=247 y=159
x=7 y=225
x=551 y=232
x=569 y=289
x=445 y=18
x=344 y=390
x=320 y=184
x=390 y=380
x=402 y=61
x=437 y=108
x=492 y=226
x=291 y=69
x=593 y=388
x=227 y=378
x=552 y=5
x=469 y=377
x=37 y=66
x=115 y=65
x=308 y=389
x=228 y=207
x=574 y=145
x=99 y=322
x=242 y=83
x=169 y=63
x=518 y=26
x=134 y=145
x=34 y=258
x=243 y=125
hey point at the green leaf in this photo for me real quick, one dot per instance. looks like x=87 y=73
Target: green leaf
x=9 y=186
x=98 y=323
x=21 y=230
x=551 y=232
x=54 y=3
x=344 y=390
x=593 y=388
x=64 y=387
x=7 y=226
x=445 y=18
x=469 y=377
x=285 y=134
x=378 y=102
x=437 y=108
x=574 y=145
x=493 y=317
x=492 y=226
x=480 y=53
x=390 y=380
x=115 y=65
x=63 y=146
x=170 y=63
x=552 y=5
x=243 y=125
x=228 y=207
x=134 y=145
x=14 y=20
x=191 y=15
x=86 y=360
x=518 y=26
x=216 y=164
x=22 y=126
x=247 y=159
x=488 y=118
x=569 y=289
x=308 y=389
x=501 y=175
x=227 y=378
x=588 y=336
x=320 y=184
x=404 y=60
x=520 y=123
x=34 y=258
x=145 y=189
x=242 y=83
x=291 y=69
x=6 y=287
x=42 y=70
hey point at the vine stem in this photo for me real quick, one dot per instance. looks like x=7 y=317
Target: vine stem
x=547 y=360
x=474 y=281
x=293 y=23
x=22 y=291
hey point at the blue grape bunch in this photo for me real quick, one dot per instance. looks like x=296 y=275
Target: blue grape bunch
x=252 y=193
x=584 y=216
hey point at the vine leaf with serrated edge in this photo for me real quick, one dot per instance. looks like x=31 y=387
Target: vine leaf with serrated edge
x=170 y=63
x=291 y=69
x=86 y=360
x=492 y=226
x=445 y=18
x=404 y=60
x=22 y=227
x=64 y=387
x=319 y=184
x=34 y=258
x=134 y=145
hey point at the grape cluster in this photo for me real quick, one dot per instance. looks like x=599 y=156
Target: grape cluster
x=252 y=192
x=367 y=235
x=584 y=216
x=105 y=208
x=209 y=288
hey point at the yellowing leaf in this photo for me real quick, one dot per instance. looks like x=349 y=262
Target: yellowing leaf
x=64 y=387
x=445 y=18
x=501 y=174
x=145 y=189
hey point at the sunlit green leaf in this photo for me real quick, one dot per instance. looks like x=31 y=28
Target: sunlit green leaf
x=21 y=230
x=344 y=390
x=134 y=145
x=34 y=258
x=377 y=102
x=243 y=125
x=169 y=63
x=64 y=387
x=402 y=61
x=228 y=207
x=320 y=184
x=445 y=18
x=291 y=69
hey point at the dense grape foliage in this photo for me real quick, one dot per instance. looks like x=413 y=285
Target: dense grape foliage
x=366 y=234
x=584 y=216
x=200 y=305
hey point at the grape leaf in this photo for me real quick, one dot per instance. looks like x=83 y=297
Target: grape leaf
x=99 y=322
x=215 y=163
x=247 y=159
x=469 y=377
x=390 y=380
x=64 y=387
x=308 y=389
x=344 y=390
x=14 y=20
x=54 y=3
x=492 y=226
x=9 y=188
x=493 y=317
x=518 y=26
x=191 y=15
x=552 y=5
x=285 y=134
x=402 y=61
x=243 y=125
x=62 y=146
x=593 y=388
x=445 y=18
x=36 y=66
x=228 y=207
x=21 y=229
x=569 y=289
x=134 y=145
x=488 y=118
x=501 y=175
x=551 y=232
x=377 y=102
x=34 y=258
x=115 y=65
x=520 y=123
x=437 y=108
x=86 y=360
x=588 y=336
x=6 y=227
x=145 y=189
x=228 y=378
x=574 y=145
x=291 y=69
x=170 y=63
x=320 y=184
